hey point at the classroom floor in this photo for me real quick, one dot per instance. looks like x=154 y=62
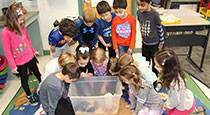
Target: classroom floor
x=12 y=86
x=11 y=89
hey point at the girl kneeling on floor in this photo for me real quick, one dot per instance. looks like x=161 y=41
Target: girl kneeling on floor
x=144 y=99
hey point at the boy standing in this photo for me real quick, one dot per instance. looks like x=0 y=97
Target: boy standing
x=88 y=28
x=123 y=29
x=151 y=30
x=60 y=37
x=53 y=92
x=105 y=32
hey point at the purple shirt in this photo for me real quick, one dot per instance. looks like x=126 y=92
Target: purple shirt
x=102 y=70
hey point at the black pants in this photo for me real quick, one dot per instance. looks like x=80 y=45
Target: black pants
x=64 y=108
x=110 y=49
x=148 y=51
x=25 y=70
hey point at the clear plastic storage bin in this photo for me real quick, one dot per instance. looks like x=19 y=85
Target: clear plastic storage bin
x=96 y=95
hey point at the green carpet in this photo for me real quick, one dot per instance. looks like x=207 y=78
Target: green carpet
x=33 y=83
x=197 y=91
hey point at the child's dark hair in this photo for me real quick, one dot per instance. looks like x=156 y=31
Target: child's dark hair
x=103 y=7
x=82 y=51
x=131 y=71
x=13 y=12
x=67 y=27
x=112 y=66
x=72 y=70
x=171 y=69
x=120 y=4
x=147 y=1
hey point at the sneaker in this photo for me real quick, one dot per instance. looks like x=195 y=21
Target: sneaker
x=32 y=100
x=200 y=110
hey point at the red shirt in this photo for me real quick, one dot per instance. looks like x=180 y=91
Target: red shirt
x=124 y=32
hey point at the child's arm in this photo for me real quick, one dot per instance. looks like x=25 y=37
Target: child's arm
x=132 y=99
x=6 y=41
x=95 y=40
x=173 y=97
x=52 y=48
x=133 y=35
x=141 y=98
x=114 y=38
x=78 y=22
x=160 y=31
x=100 y=34
x=103 y=42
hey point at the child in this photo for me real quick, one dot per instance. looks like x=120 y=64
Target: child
x=18 y=48
x=61 y=36
x=88 y=28
x=83 y=60
x=144 y=99
x=180 y=99
x=112 y=68
x=57 y=64
x=53 y=88
x=143 y=65
x=151 y=30
x=123 y=29
x=99 y=61
x=105 y=32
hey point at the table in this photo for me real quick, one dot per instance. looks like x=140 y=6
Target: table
x=190 y=22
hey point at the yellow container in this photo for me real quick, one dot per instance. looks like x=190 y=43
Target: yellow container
x=170 y=19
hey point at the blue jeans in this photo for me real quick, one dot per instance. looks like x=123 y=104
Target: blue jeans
x=123 y=49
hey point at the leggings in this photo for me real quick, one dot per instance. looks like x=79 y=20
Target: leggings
x=25 y=70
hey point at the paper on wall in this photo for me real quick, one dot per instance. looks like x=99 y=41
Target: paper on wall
x=95 y=2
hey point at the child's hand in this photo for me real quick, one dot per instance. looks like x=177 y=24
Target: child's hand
x=37 y=53
x=103 y=90
x=108 y=45
x=15 y=71
x=165 y=107
x=130 y=51
x=132 y=112
x=123 y=88
x=85 y=74
x=117 y=52
x=160 y=47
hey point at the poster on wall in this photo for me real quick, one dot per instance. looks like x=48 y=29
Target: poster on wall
x=95 y=2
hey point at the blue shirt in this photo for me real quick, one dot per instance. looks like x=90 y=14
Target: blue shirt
x=87 y=35
x=105 y=29
x=55 y=38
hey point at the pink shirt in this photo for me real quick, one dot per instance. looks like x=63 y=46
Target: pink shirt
x=17 y=48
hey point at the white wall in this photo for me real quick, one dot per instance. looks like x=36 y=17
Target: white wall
x=49 y=11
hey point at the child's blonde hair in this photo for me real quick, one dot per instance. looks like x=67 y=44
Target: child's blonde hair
x=66 y=58
x=89 y=15
x=126 y=59
x=98 y=55
x=13 y=12
x=129 y=72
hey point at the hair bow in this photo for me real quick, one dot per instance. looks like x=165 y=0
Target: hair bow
x=19 y=11
x=83 y=49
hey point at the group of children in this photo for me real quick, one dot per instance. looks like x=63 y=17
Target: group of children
x=115 y=31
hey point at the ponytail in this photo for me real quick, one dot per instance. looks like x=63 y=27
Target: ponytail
x=131 y=71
